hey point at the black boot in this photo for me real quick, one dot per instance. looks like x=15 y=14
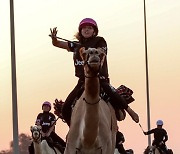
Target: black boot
x=31 y=149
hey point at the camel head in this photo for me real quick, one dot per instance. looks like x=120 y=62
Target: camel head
x=36 y=133
x=93 y=59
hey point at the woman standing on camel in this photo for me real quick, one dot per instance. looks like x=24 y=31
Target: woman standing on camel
x=87 y=37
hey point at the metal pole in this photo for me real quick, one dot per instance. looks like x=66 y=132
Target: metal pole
x=14 y=88
x=147 y=80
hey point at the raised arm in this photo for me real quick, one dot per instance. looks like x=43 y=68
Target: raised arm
x=56 y=42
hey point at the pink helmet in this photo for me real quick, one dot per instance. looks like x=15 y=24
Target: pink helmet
x=90 y=22
x=47 y=103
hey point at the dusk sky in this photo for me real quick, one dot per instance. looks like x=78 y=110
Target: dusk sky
x=45 y=72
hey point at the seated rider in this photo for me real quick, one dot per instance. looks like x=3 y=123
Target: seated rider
x=47 y=121
x=87 y=37
x=160 y=136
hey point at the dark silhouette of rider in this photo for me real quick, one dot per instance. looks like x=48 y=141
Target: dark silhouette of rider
x=47 y=120
x=160 y=136
x=119 y=142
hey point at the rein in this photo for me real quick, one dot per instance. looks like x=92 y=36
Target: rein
x=53 y=124
x=95 y=76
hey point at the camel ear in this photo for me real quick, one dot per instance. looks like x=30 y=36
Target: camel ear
x=81 y=51
x=102 y=55
x=39 y=127
x=31 y=128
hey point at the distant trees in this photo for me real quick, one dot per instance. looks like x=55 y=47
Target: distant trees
x=24 y=142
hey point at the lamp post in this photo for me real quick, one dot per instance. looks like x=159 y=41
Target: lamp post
x=14 y=88
x=147 y=74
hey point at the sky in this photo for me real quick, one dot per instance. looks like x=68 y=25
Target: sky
x=45 y=72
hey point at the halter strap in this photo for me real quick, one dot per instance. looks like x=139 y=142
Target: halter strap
x=79 y=149
x=91 y=103
x=97 y=75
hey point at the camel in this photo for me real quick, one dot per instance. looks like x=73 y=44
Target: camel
x=156 y=150
x=129 y=151
x=151 y=150
x=41 y=147
x=93 y=121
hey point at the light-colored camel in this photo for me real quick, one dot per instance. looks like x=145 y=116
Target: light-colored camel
x=151 y=150
x=130 y=151
x=41 y=147
x=93 y=121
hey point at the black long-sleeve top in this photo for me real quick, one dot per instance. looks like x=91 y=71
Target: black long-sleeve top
x=160 y=134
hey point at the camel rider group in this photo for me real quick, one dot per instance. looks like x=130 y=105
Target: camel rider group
x=87 y=37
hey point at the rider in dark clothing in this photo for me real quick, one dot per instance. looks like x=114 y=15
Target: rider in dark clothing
x=87 y=36
x=119 y=142
x=47 y=121
x=79 y=72
x=160 y=136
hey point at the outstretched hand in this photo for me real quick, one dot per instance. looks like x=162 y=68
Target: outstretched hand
x=145 y=133
x=53 y=33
